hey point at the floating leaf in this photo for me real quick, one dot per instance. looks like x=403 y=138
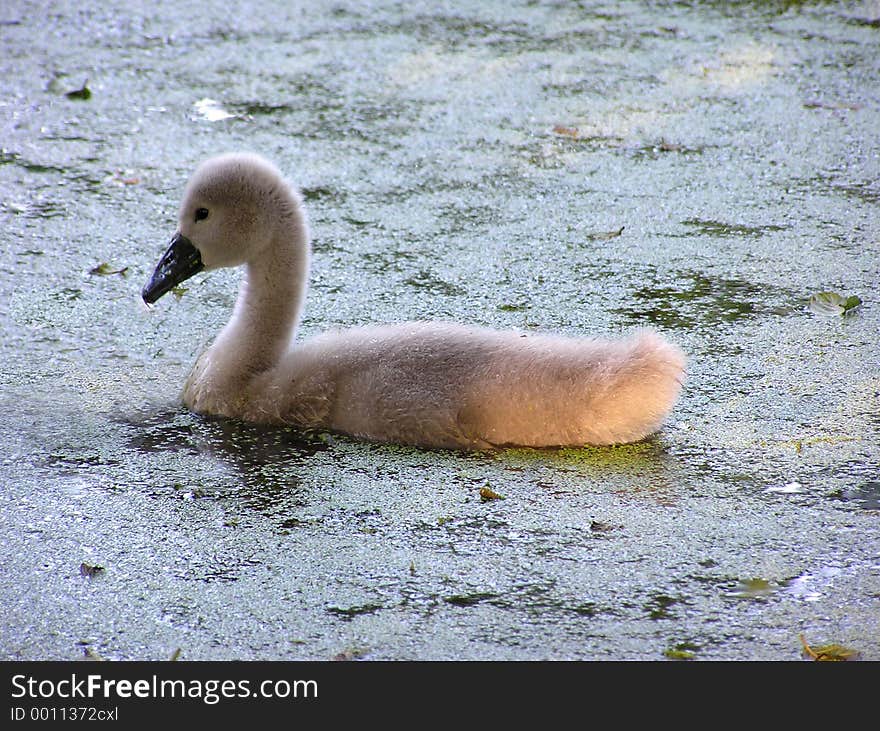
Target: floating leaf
x=566 y=131
x=350 y=653
x=673 y=653
x=597 y=526
x=125 y=177
x=82 y=93
x=86 y=569
x=605 y=235
x=829 y=653
x=105 y=270
x=832 y=304
x=835 y=106
x=850 y=303
x=487 y=493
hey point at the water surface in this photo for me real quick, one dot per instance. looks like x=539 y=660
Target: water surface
x=581 y=168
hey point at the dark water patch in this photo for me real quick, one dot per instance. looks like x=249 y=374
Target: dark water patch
x=655 y=150
x=249 y=444
x=39 y=208
x=288 y=525
x=425 y=280
x=865 y=21
x=349 y=613
x=163 y=432
x=573 y=138
x=257 y=109
x=75 y=461
x=863 y=192
x=469 y=600
x=88 y=183
x=866 y=496
x=585 y=609
x=360 y=222
x=215 y=567
x=266 y=458
x=385 y=124
x=8 y=157
x=857 y=470
x=455 y=31
x=700 y=301
x=380 y=262
x=660 y=606
x=463 y=218
x=513 y=307
x=477 y=183
x=321 y=193
x=460 y=32
x=866 y=191
x=765 y=8
x=464 y=528
x=722 y=229
x=539 y=600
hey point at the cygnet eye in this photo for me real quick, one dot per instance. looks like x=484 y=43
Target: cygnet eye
x=201 y=214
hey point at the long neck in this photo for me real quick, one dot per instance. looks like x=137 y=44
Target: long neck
x=269 y=303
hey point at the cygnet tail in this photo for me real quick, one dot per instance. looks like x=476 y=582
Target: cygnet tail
x=642 y=380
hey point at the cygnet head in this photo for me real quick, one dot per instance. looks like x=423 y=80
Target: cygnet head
x=232 y=208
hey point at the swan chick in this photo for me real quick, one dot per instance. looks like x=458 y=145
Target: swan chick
x=429 y=384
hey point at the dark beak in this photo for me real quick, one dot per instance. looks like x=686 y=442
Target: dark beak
x=177 y=264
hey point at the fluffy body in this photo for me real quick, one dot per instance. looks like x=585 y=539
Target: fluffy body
x=431 y=384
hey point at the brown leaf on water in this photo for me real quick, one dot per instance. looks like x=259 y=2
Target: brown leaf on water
x=566 y=131
x=125 y=177
x=597 y=526
x=350 y=653
x=86 y=569
x=487 y=493
x=105 y=270
x=829 y=653
x=834 y=106
x=605 y=235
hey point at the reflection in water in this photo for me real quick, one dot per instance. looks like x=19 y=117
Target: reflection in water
x=866 y=495
x=262 y=455
x=643 y=470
